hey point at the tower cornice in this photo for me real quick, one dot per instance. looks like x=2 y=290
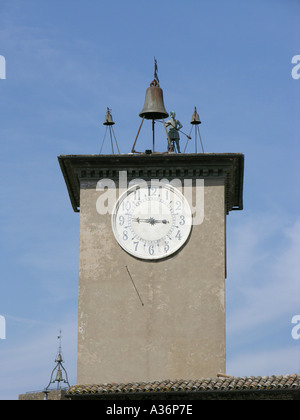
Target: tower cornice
x=78 y=169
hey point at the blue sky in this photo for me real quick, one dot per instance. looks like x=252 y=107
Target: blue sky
x=66 y=61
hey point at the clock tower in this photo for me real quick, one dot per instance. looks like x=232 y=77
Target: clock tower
x=152 y=282
x=152 y=259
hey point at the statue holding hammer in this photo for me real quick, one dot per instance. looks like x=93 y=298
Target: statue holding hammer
x=175 y=126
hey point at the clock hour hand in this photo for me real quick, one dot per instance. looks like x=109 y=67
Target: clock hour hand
x=150 y=220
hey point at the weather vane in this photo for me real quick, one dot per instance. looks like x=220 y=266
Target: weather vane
x=155 y=71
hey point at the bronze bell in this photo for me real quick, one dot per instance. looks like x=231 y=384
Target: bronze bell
x=195 y=118
x=154 y=108
x=59 y=358
x=59 y=376
x=108 y=118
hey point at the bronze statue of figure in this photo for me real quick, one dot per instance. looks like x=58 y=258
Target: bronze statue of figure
x=173 y=132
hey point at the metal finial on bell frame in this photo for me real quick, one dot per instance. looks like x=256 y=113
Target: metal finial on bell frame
x=195 y=118
x=108 y=122
x=195 y=122
x=108 y=118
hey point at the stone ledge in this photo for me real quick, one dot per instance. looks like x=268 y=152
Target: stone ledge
x=79 y=169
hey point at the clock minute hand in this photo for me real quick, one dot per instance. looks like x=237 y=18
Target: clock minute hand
x=139 y=220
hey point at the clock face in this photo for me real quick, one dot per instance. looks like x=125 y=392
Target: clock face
x=151 y=222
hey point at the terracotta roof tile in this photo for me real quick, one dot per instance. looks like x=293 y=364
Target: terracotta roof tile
x=201 y=385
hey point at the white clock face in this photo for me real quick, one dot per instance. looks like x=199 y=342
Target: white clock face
x=151 y=222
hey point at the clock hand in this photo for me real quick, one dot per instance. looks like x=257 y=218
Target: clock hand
x=137 y=219
x=150 y=220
